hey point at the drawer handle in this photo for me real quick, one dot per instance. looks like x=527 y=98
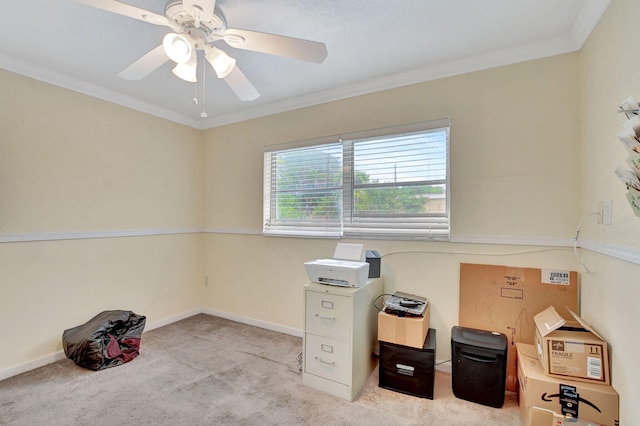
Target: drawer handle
x=327 y=317
x=407 y=370
x=325 y=361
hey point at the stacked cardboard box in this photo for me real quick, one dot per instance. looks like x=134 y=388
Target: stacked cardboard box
x=407 y=352
x=505 y=299
x=571 y=349
x=565 y=374
x=407 y=331
x=545 y=397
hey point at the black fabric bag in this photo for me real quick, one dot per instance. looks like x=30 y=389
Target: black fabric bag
x=109 y=339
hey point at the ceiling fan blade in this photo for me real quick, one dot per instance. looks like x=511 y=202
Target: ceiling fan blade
x=289 y=47
x=241 y=85
x=196 y=8
x=145 y=65
x=131 y=11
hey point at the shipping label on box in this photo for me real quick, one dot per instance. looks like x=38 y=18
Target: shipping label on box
x=538 y=393
x=571 y=349
x=505 y=299
x=536 y=416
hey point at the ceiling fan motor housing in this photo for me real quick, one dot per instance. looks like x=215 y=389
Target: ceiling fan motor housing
x=216 y=24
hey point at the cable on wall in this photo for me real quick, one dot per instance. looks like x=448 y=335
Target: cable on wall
x=575 y=242
x=577 y=253
x=515 y=253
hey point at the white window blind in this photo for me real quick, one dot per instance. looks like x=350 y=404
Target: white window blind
x=399 y=186
x=303 y=191
x=389 y=183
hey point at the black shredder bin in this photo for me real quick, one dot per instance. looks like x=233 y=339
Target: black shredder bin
x=479 y=365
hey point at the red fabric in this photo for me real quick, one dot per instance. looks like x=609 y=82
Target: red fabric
x=125 y=350
x=129 y=349
x=113 y=349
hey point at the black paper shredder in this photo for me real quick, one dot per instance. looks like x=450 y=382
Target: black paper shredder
x=479 y=365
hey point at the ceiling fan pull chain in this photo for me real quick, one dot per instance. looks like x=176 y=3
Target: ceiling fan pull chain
x=203 y=114
x=195 y=92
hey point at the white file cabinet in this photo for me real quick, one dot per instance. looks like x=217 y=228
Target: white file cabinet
x=340 y=334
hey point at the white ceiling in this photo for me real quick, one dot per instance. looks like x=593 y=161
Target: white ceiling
x=372 y=45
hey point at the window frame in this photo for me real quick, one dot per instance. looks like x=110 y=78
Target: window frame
x=428 y=226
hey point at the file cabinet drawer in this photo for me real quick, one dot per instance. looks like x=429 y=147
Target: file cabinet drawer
x=328 y=315
x=328 y=358
x=409 y=370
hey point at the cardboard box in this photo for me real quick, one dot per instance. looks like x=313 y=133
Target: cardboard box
x=505 y=299
x=535 y=416
x=540 y=394
x=406 y=331
x=571 y=349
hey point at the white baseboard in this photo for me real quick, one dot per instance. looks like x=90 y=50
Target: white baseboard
x=6 y=373
x=251 y=321
x=172 y=319
x=444 y=366
x=57 y=356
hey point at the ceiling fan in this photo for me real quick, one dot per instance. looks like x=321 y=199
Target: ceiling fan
x=197 y=25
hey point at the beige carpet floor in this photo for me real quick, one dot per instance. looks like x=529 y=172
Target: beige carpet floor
x=206 y=370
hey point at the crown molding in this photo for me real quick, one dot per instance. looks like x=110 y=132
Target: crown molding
x=550 y=47
x=80 y=86
x=586 y=20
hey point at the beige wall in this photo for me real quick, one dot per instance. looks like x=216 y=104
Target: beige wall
x=610 y=292
x=73 y=163
x=72 y=170
x=514 y=175
x=513 y=153
x=533 y=149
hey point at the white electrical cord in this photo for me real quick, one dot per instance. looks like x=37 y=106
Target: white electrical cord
x=575 y=242
x=575 y=248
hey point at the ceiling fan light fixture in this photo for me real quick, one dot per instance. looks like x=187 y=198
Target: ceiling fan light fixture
x=221 y=62
x=178 y=47
x=187 y=71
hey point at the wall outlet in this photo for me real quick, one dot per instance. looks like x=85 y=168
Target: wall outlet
x=605 y=212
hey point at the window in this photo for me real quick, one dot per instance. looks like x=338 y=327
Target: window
x=389 y=183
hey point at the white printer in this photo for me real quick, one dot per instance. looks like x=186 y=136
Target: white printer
x=346 y=269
